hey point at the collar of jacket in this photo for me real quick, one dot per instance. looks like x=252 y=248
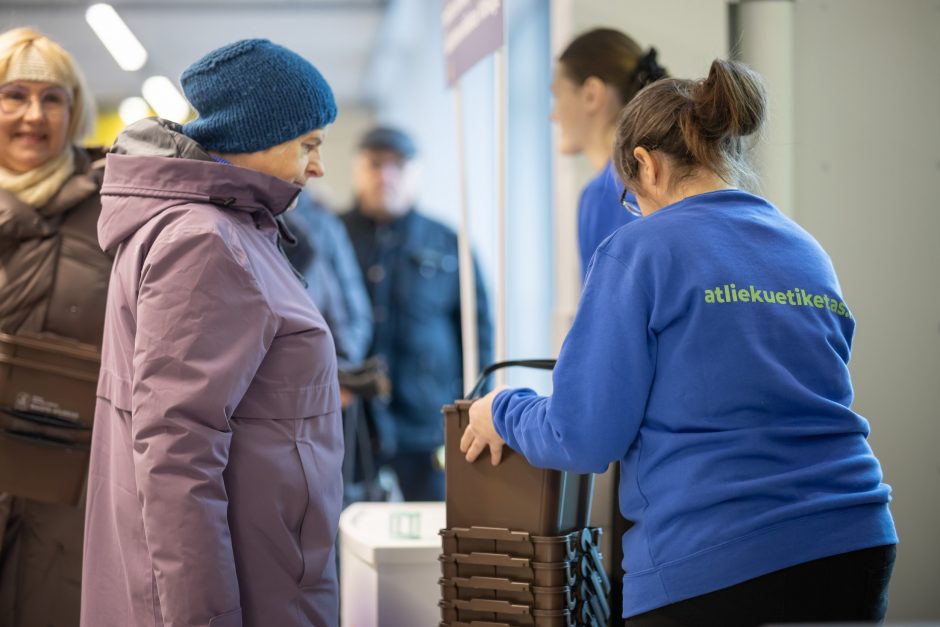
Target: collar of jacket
x=229 y=186
x=284 y=232
x=162 y=182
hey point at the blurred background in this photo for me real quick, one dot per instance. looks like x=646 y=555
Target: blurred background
x=852 y=153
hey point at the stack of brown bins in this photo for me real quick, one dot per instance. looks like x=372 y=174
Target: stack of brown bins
x=517 y=549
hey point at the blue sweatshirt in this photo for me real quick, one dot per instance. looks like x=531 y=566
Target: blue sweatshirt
x=600 y=213
x=709 y=356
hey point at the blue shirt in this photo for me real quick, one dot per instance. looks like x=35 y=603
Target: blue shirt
x=709 y=356
x=600 y=213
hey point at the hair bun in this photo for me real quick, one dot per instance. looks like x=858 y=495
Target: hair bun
x=730 y=102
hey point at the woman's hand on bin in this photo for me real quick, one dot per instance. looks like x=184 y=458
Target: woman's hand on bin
x=481 y=433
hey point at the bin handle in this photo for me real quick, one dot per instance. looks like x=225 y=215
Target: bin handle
x=491 y=605
x=540 y=364
x=491 y=559
x=490 y=533
x=491 y=583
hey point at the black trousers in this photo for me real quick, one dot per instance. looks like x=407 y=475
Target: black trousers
x=842 y=588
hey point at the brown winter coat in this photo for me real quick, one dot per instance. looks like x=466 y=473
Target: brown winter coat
x=53 y=278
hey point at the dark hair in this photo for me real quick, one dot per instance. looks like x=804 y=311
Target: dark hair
x=614 y=58
x=701 y=123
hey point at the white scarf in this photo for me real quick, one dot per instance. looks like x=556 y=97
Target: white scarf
x=37 y=186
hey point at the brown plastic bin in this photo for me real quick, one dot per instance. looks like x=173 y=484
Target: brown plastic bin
x=512 y=495
x=42 y=461
x=543 y=575
x=49 y=375
x=504 y=612
x=502 y=589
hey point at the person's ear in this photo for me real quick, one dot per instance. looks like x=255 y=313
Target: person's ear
x=594 y=94
x=647 y=166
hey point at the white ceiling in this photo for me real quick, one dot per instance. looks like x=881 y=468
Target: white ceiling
x=338 y=36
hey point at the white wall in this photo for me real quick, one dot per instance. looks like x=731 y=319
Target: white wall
x=867 y=184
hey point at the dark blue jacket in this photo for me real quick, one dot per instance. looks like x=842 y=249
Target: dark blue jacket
x=411 y=273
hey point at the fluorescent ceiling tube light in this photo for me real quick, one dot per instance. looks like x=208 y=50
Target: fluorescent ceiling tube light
x=116 y=37
x=133 y=109
x=165 y=99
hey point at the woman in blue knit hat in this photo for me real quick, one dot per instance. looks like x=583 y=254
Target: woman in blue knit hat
x=215 y=484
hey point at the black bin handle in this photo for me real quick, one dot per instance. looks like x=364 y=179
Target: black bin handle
x=540 y=364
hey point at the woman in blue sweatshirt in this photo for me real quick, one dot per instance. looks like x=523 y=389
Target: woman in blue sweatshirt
x=596 y=75
x=709 y=357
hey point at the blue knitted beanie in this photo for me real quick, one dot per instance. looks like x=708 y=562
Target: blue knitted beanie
x=254 y=94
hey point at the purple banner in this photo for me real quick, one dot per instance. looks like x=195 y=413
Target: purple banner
x=472 y=30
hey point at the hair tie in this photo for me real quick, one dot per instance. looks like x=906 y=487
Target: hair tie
x=647 y=70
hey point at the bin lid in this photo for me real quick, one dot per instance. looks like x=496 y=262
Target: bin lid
x=402 y=533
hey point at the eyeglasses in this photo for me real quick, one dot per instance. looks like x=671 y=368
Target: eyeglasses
x=15 y=100
x=629 y=205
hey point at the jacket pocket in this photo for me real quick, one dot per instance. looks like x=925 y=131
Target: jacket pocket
x=320 y=447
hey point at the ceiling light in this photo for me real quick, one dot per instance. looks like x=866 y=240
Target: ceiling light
x=133 y=109
x=165 y=99
x=116 y=37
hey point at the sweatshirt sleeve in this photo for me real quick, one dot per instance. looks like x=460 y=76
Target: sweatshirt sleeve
x=203 y=328
x=600 y=384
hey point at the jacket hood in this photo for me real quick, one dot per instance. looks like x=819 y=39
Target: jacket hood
x=153 y=167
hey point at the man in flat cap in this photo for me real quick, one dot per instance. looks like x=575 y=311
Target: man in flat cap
x=409 y=263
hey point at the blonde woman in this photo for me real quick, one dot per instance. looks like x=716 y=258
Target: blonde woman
x=53 y=278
